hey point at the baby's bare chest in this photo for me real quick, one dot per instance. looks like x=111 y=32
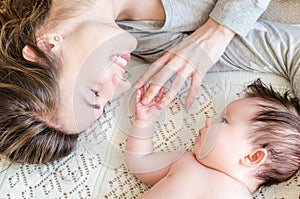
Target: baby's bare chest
x=190 y=179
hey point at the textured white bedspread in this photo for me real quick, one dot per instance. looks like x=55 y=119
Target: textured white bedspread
x=96 y=168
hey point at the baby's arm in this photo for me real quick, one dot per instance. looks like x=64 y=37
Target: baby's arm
x=149 y=167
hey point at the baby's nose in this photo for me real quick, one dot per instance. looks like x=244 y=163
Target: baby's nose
x=208 y=122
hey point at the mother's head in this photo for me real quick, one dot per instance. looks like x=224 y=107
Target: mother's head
x=60 y=62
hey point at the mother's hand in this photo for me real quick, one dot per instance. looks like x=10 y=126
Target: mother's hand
x=193 y=57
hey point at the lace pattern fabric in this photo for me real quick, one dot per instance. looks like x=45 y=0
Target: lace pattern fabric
x=96 y=169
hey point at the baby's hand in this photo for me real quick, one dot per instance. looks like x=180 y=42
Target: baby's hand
x=150 y=111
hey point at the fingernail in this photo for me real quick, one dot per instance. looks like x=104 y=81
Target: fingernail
x=145 y=101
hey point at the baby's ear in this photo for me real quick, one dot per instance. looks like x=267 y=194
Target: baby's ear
x=255 y=158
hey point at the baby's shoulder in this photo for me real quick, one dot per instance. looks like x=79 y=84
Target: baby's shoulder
x=205 y=182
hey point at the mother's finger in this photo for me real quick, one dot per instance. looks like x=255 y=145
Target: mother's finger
x=177 y=63
x=158 y=82
x=177 y=84
x=194 y=89
x=153 y=69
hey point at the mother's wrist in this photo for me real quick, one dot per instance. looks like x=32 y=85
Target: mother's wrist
x=223 y=30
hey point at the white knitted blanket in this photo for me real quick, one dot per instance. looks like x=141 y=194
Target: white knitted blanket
x=96 y=169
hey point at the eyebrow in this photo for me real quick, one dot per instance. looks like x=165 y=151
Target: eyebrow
x=226 y=114
x=94 y=106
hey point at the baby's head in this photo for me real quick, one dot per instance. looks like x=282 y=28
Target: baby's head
x=276 y=128
x=259 y=133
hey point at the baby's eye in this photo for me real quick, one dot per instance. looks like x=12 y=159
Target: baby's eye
x=224 y=120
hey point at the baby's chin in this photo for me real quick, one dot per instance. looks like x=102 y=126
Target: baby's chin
x=122 y=85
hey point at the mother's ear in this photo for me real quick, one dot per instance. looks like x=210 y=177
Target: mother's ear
x=49 y=43
x=255 y=158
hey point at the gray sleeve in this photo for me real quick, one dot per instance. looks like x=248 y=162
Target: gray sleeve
x=238 y=15
x=269 y=47
x=186 y=15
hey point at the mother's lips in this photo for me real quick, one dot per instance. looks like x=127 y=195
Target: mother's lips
x=121 y=60
x=125 y=56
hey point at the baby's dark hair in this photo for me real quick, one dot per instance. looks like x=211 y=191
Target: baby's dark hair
x=275 y=127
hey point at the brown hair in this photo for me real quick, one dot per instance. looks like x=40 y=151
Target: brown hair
x=29 y=92
x=276 y=127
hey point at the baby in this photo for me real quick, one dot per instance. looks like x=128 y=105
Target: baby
x=254 y=142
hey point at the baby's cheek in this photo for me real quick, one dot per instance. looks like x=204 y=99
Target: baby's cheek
x=211 y=139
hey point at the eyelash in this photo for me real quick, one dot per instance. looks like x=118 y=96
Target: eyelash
x=97 y=93
x=94 y=106
x=224 y=120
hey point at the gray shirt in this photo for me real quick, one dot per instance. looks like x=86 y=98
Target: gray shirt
x=237 y=15
x=267 y=47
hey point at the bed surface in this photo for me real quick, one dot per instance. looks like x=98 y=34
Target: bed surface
x=96 y=169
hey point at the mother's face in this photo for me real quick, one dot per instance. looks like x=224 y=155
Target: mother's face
x=94 y=57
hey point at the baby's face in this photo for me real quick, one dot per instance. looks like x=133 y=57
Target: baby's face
x=224 y=140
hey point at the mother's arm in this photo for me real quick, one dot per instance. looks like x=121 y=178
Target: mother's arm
x=203 y=48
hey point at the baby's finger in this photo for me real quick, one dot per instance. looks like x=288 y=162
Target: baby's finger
x=147 y=86
x=138 y=95
x=160 y=95
x=142 y=89
x=174 y=89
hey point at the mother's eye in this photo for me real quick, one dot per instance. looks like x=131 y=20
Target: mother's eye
x=96 y=92
x=94 y=96
x=95 y=106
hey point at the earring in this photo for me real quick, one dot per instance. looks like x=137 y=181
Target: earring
x=56 y=38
